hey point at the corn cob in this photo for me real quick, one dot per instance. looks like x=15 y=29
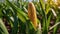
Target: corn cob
x=32 y=14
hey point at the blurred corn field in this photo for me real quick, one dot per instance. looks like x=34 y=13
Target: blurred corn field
x=29 y=16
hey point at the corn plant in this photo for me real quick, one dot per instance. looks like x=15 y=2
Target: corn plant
x=26 y=17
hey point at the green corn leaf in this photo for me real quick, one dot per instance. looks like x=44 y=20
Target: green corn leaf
x=22 y=16
x=15 y=25
x=47 y=9
x=55 y=28
x=48 y=22
x=3 y=29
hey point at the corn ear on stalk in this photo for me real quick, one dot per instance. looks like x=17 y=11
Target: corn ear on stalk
x=32 y=14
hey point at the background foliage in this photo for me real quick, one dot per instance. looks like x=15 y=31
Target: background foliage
x=14 y=17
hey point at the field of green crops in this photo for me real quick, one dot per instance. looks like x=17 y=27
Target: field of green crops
x=29 y=17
